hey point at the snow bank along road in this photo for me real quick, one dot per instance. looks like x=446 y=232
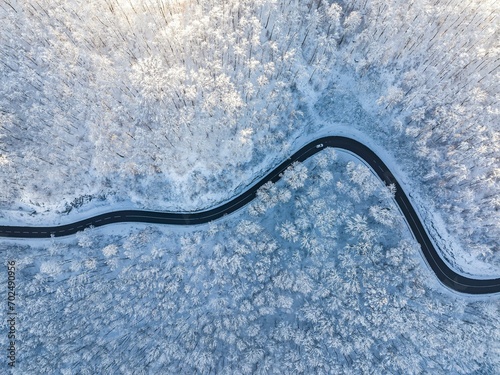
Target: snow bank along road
x=446 y=275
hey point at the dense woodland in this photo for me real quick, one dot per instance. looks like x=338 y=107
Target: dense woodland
x=179 y=104
x=318 y=276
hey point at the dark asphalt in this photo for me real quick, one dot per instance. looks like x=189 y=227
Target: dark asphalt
x=447 y=276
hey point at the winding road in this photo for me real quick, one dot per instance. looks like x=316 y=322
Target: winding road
x=444 y=273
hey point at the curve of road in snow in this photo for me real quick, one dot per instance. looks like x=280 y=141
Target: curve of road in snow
x=444 y=273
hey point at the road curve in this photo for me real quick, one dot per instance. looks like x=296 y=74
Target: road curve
x=445 y=274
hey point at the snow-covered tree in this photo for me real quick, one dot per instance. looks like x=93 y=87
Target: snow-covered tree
x=295 y=175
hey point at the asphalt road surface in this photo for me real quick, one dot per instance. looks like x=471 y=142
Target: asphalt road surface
x=447 y=276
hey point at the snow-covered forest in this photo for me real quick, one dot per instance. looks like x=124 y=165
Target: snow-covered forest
x=179 y=105
x=182 y=104
x=318 y=276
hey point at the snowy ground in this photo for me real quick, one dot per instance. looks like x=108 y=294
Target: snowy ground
x=319 y=278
